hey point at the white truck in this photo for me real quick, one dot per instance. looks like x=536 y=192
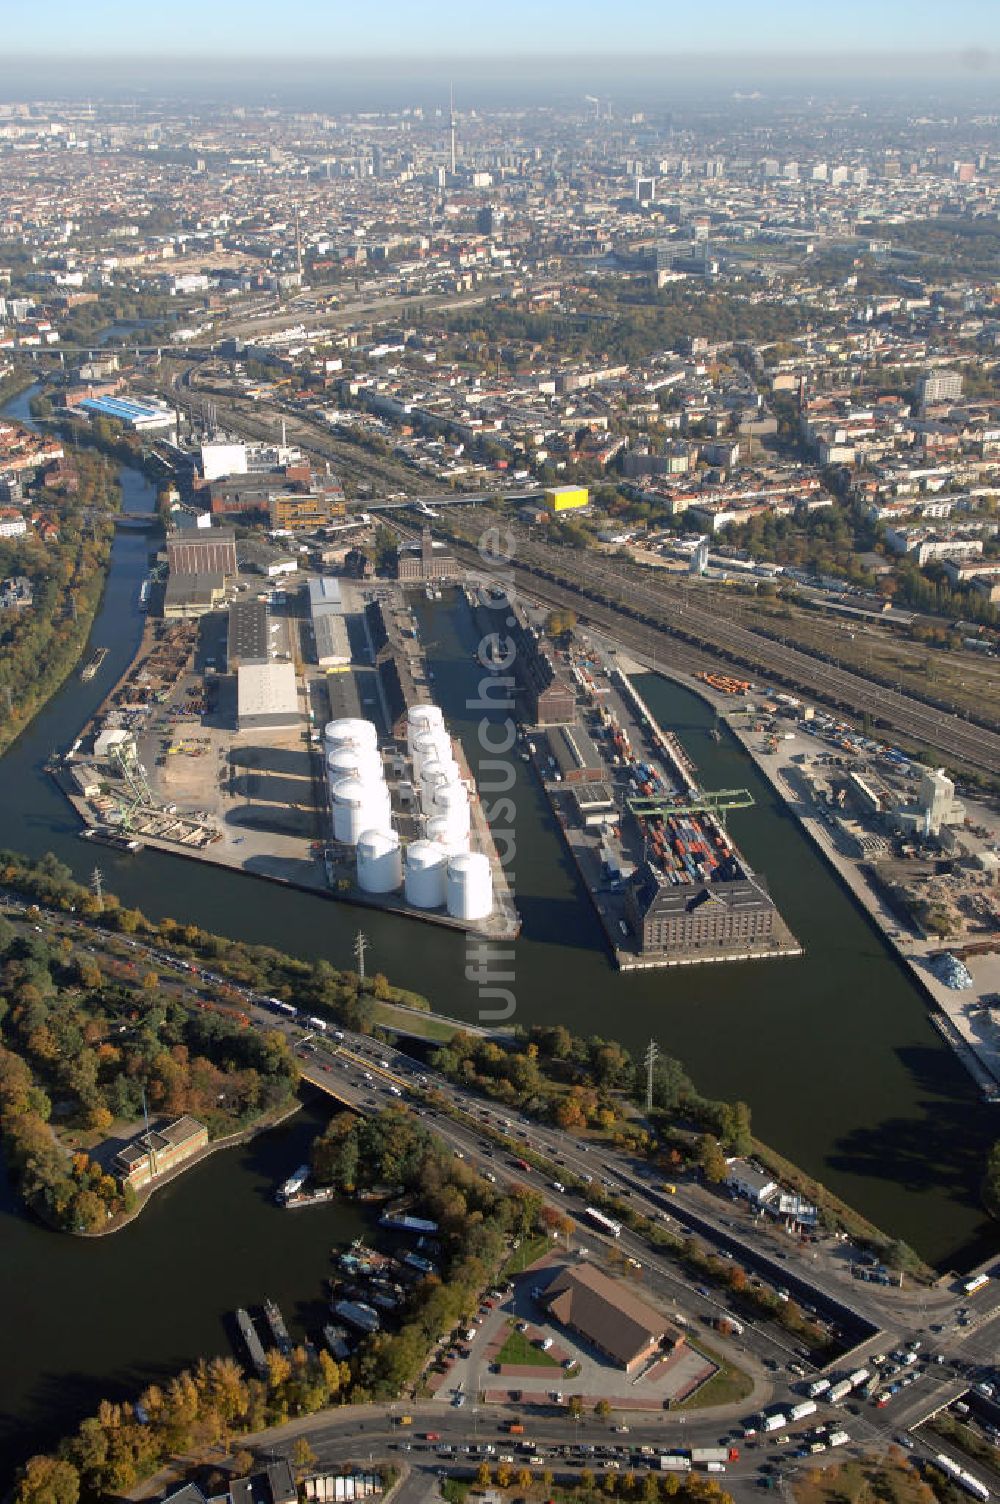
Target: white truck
x=839 y=1392
x=837 y=1439
x=801 y=1410
x=818 y=1387
x=775 y=1422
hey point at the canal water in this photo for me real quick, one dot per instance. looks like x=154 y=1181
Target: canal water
x=833 y=1051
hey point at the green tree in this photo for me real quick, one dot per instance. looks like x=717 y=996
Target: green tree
x=48 y=1480
x=303 y=1456
x=711 y=1159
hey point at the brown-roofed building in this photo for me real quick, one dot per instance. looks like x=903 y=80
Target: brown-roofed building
x=161 y=1149
x=608 y=1316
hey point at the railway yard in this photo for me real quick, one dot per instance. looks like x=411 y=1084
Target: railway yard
x=669 y=622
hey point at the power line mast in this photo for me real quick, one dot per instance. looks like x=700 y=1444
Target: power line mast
x=649 y=1060
x=361 y=943
x=97 y=887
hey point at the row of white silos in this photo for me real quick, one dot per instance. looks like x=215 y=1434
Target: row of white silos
x=439 y=869
x=359 y=797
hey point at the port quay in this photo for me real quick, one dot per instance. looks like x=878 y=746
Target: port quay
x=182 y=771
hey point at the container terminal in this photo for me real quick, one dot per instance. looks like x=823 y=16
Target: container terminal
x=668 y=884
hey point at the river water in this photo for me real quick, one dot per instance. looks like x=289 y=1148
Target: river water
x=834 y=1051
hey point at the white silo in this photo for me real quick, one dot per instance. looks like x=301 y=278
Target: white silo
x=421 y=719
x=452 y=801
x=348 y=761
x=429 y=745
x=357 y=807
x=435 y=775
x=426 y=865
x=350 y=731
x=380 y=861
x=470 y=886
x=438 y=828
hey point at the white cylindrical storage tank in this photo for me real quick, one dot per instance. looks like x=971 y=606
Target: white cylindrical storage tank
x=428 y=745
x=358 y=806
x=426 y=866
x=435 y=775
x=380 y=861
x=452 y=801
x=354 y=762
x=421 y=719
x=350 y=731
x=470 y=886
x=438 y=828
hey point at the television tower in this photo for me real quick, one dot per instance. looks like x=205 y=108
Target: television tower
x=451 y=116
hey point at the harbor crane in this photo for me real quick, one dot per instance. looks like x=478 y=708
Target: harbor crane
x=717 y=802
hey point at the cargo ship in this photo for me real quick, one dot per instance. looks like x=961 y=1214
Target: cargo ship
x=112 y=838
x=251 y=1341
x=90 y=669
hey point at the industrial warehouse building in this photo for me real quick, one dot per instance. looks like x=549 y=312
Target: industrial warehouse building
x=188 y=596
x=333 y=648
x=203 y=550
x=605 y=1313
x=249 y=634
x=266 y=696
x=548 y=691
x=699 y=916
x=326 y=611
x=140 y=417
x=577 y=759
x=565 y=498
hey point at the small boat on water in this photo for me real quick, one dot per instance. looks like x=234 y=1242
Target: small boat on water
x=90 y=669
x=144 y=594
x=278 y=1329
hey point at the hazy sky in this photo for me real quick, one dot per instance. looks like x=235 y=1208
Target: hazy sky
x=469 y=28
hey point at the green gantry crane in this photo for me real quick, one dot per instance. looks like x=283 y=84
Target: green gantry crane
x=717 y=803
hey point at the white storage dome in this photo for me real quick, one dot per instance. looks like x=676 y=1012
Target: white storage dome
x=426 y=864
x=357 y=807
x=380 y=861
x=421 y=719
x=350 y=731
x=470 y=886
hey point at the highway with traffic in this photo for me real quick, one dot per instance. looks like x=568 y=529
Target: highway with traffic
x=951 y=1335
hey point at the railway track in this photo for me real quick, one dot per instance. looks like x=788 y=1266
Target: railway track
x=693 y=638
